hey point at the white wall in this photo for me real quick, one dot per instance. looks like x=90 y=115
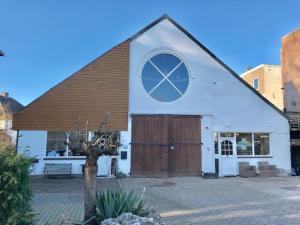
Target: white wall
x=124 y=165
x=277 y=156
x=33 y=143
x=224 y=102
x=6 y=125
x=212 y=91
x=207 y=147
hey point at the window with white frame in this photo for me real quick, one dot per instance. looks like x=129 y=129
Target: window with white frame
x=252 y=144
x=256 y=83
x=244 y=143
x=165 y=77
x=261 y=144
x=227 y=134
x=226 y=147
x=56 y=144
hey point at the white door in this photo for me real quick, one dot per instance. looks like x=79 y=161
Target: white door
x=228 y=159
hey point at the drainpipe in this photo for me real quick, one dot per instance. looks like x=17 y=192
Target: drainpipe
x=17 y=141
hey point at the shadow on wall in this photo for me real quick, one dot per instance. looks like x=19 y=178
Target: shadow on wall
x=292 y=96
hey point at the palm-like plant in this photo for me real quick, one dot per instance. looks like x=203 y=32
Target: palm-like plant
x=111 y=204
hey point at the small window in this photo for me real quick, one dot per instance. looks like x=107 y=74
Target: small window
x=56 y=144
x=244 y=143
x=226 y=134
x=165 y=77
x=226 y=148
x=256 y=83
x=261 y=144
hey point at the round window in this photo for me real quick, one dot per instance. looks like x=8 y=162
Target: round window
x=165 y=77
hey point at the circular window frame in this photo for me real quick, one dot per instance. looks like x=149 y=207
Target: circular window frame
x=158 y=52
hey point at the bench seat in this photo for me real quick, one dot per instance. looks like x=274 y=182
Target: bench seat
x=58 y=169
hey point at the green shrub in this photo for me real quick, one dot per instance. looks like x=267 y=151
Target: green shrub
x=111 y=204
x=15 y=193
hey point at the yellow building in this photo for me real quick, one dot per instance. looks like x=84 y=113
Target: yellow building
x=267 y=80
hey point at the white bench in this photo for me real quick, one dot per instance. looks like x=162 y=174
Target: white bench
x=58 y=169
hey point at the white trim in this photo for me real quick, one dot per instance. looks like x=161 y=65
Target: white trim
x=255 y=156
x=64 y=157
x=257 y=67
x=252 y=139
x=288 y=34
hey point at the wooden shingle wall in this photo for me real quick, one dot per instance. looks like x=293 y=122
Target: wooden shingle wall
x=88 y=95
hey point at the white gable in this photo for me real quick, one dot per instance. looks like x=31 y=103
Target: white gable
x=212 y=90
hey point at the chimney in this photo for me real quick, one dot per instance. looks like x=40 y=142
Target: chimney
x=4 y=94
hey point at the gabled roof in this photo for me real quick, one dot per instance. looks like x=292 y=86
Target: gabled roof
x=99 y=87
x=165 y=16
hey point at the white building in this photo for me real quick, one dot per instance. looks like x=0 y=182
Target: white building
x=180 y=110
x=8 y=106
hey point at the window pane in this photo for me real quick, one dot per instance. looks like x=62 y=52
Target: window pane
x=261 y=144
x=226 y=134
x=151 y=77
x=226 y=148
x=180 y=78
x=165 y=62
x=165 y=92
x=244 y=143
x=255 y=83
x=55 y=144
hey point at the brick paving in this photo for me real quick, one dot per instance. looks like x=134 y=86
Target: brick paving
x=182 y=200
x=60 y=201
x=58 y=208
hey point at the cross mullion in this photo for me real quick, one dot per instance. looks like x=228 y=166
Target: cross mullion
x=165 y=77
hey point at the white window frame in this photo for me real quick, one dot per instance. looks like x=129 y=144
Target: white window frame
x=165 y=77
x=253 y=144
x=67 y=156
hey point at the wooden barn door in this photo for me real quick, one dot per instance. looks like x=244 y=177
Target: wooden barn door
x=184 y=141
x=149 y=147
x=165 y=145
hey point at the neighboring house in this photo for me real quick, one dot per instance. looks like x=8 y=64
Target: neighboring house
x=281 y=86
x=290 y=66
x=8 y=106
x=180 y=110
x=266 y=79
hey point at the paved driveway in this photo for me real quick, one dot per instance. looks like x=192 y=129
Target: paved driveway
x=188 y=200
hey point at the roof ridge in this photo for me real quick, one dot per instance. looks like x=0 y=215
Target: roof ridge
x=189 y=35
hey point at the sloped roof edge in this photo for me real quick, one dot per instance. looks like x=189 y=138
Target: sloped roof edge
x=74 y=73
x=165 y=16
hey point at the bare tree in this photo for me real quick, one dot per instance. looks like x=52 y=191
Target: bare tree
x=92 y=144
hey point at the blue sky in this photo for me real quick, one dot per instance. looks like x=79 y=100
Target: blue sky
x=45 y=41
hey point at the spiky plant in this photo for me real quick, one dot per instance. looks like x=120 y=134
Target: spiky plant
x=112 y=203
